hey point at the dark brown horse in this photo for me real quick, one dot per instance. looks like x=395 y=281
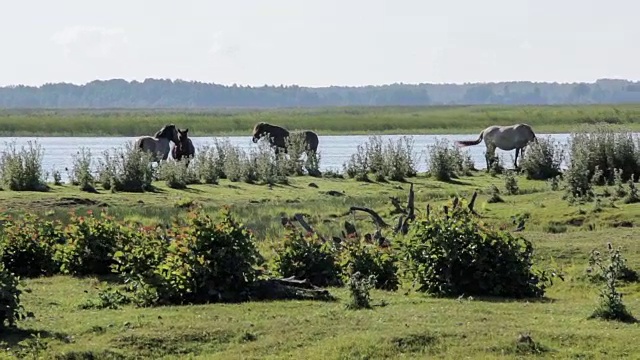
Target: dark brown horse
x=184 y=147
x=278 y=135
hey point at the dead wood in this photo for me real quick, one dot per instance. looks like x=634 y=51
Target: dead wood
x=376 y=218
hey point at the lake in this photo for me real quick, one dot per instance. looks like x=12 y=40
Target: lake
x=334 y=150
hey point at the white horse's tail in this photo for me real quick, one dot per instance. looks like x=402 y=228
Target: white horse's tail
x=462 y=143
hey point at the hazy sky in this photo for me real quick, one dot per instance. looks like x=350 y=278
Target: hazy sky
x=318 y=42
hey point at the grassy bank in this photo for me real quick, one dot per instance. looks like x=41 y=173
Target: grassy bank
x=331 y=121
x=401 y=324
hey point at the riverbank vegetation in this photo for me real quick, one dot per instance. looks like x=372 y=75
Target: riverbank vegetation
x=121 y=272
x=326 y=121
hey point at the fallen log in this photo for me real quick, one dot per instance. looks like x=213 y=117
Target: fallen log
x=300 y=219
x=376 y=218
x=289 y=289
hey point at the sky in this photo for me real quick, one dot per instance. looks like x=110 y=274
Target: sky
x=319 y=42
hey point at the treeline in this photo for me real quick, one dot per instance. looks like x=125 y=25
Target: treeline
x=159 y=93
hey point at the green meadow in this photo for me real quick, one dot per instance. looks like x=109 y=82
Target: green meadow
x=400 y=324
x=326 y=121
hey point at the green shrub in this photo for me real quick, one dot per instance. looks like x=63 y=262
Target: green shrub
x=81 y=170
x=176 y=174
x=207 y=165
x=393 y=161
x=611 y=306
x=307 y=258
x=445 y=162
x=204 y=262
x=455 y=255
x=22 y=170
x=511 y=183
x=138 y=253
x=270 y=167
x=606 y=148
x=127 y=169
x=28 y=245
x=91 y=243
x=542 y=159
x=359 y=291
x=11 y=310
x=370 y=259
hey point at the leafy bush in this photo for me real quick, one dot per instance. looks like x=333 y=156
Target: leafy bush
x=81 y=170
x=270 y=167
x=542 y=159
x=11 y=310
x=22 y=170
x=445 y=162
x=511 y=183
x=138 y=253
x=207 y=165
x=91 y=243
x=454 y=255
x=395 y=161
x=611 y=306
x=126 y=169
x=370 y=259
x=307 y=258
x=28 y=245
x=577 y=178
x=176 y=174
x=205 y=262
x=359 y=288
x=606 y=148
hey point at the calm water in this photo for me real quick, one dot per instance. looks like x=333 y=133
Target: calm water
x=334 y=150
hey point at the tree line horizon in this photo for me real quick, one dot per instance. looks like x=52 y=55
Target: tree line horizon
x=166 y=93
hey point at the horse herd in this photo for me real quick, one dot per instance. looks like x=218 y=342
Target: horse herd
x=512 y=137
x=159 y=145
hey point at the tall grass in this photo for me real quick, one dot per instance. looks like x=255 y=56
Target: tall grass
x=605 y=147
x=393 y=161
x=21 y=170
x=337 y=120
x=446 y=162
x=126 y=169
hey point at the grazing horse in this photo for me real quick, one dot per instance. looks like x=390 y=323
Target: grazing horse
x=278 y=135
x=159 y=144
x=184 y=147
x=506 y=138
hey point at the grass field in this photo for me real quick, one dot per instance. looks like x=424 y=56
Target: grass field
x=326 y=121
x=402 y=324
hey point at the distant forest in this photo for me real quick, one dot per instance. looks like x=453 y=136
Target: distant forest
x=159 y=93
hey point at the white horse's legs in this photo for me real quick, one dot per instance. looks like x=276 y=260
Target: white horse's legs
x=515 y=161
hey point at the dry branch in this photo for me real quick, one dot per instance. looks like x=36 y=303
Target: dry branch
x=376 y=218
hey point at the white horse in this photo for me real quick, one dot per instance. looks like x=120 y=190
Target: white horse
x=160 y=144
x=506 y=138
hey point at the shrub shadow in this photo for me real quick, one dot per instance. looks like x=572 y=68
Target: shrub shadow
x=11 y=337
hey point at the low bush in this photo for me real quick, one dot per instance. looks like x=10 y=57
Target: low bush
x=455 y=254
x=28 y=245
x=359 y=291
x=542 y=159
x=126 y=169
x=357 y=256
x=11 y=309
x=611 y=306
x=90 y=244
x=393 y=161
x=208 y=166
x=177 y=174
x=606 y=147
x=307 y=257
x=81 y=170
x=22 y=170
x=445 y=162
x=205 y=261
x=270 y=167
